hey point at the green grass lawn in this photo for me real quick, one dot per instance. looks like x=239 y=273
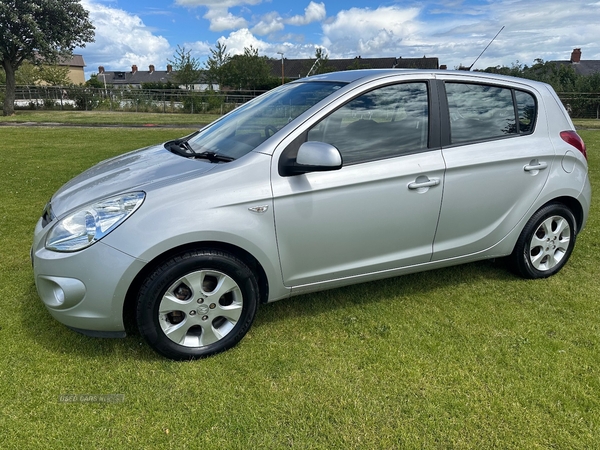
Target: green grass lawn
x=465 y=357
x=587 y=124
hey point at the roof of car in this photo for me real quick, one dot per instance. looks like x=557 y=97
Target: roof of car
x=350 y=76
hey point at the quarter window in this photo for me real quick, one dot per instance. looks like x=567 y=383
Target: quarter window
x=481 y=112
x=527 y=111
x=382 y=123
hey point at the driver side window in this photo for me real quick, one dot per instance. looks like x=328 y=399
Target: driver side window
x=383 y=123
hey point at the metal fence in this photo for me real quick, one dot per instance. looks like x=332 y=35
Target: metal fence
x=129 y=99
x=579 y=105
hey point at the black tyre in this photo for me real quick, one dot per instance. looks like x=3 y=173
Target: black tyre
x=197 y=304
x=545 y=243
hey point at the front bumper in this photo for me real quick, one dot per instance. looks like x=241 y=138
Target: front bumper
x=84 y=290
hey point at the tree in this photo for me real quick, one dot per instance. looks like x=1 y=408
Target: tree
x=27 y=74
x=34 y=30
x=94 y=82
x=561 y=77
x=358 y=64
x=321 y=63
x=248 y=71
x=186 y=68
x=159 y=85
x=590 y=83
x=215 y=65
x=55 y=75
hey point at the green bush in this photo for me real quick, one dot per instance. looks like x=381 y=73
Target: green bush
x=206 y=102
x=85 y=100
x=49 y=103
x=193 y=104
x=214 y=101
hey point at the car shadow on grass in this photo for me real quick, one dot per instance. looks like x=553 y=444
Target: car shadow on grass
x=58 y=339
x=404 y=288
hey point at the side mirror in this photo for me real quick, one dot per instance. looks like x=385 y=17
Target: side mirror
x=314 y=156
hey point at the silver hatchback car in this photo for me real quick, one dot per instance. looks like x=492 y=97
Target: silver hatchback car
x=326 y=181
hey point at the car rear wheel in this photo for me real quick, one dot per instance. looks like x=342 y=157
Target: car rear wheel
x=197 y=304
x=545 y=243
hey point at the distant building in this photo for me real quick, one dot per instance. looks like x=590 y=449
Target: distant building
x=136 y=77
x=581 y=66
x=76 y=68
x=75 y=64
x=299 y=68
x=293 y=69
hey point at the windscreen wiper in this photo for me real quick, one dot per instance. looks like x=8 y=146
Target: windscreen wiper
x=180 y=147
x=213 y=157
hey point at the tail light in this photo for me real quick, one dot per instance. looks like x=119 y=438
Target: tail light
x=572 y=138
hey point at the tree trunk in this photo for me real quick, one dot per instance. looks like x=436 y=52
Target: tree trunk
x=9 y=97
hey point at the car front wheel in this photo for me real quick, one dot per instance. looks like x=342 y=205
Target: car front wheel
x=545 y=243
x=197 y=304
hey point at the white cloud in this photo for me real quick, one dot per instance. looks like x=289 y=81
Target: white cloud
x=370 y=32
x=221 y=20
x=199 y=49
x=314 y=12
x=269 y=23
x=122 y=40
x=218 y=12
x=240 y=39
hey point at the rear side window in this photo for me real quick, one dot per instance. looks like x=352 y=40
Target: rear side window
x=527 y=111
x=386 y=122
x=482 y=112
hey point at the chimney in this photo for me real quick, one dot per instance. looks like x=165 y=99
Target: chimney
x=133 y=69
x=151 y=69
x=100 y=69
x=169 y=68
x=576 y=56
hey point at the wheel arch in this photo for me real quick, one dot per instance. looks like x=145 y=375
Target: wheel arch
x=540 y=256
x=573 y=205
x=570 y=202
x=129 y=305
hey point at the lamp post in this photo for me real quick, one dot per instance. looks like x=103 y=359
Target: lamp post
x=105 y=91
x=282 y=77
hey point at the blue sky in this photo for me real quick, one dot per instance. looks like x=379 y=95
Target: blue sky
x=132 y=32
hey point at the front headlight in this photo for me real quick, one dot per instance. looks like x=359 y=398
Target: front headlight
x=83 y=227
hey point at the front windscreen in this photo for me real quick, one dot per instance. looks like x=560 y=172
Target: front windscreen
x=253 y=123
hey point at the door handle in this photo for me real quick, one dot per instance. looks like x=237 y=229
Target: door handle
x=535 y=165
x=424 y=184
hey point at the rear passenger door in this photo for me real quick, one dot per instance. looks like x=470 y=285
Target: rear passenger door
x=498 y=158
